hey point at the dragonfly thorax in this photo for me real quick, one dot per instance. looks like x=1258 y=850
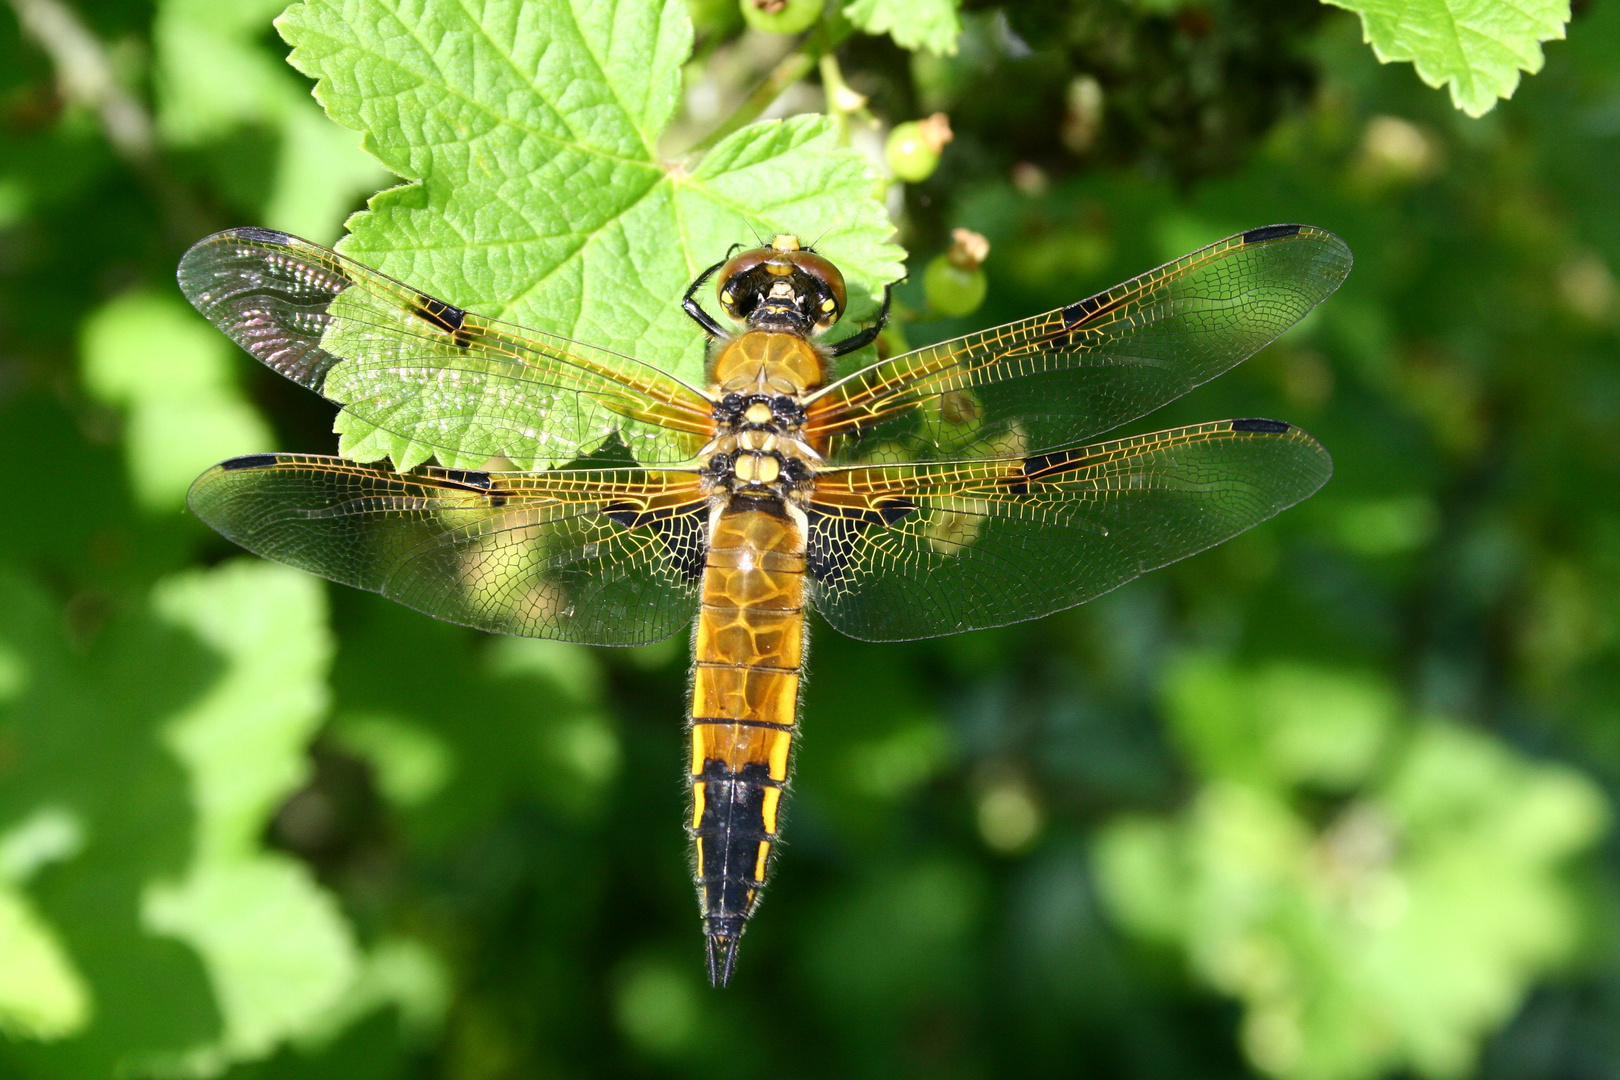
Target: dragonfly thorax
x=757 y=446
x=760 y=362
x=758 y=463
x=780 y=413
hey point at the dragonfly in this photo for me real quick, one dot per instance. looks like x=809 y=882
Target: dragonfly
x=945 y=489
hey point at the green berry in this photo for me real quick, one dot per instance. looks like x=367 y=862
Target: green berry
x=781 y=16
x=952 y=290
x=910 y=157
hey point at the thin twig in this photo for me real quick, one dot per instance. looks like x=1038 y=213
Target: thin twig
x=792 y=67
x=84 y=74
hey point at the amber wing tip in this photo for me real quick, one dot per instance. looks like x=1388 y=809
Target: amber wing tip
x=722 y=944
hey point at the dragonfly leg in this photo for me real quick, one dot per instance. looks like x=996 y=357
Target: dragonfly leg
x=690 y=305
x=867 y=336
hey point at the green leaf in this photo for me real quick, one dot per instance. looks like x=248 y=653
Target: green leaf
x=1477 y=47
x=320 y=173
x=210 y=75
x=145 y=928
x=94 y=809
x=1284 y=724
x=1397 y=934
x=174 y=376
x=213 y=76
x=530 y=132
x=410 y=762
x=42 y=993
x=914 y=24
x=398 y=972
x=277 y=949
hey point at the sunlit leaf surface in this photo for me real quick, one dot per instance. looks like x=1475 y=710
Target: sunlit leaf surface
x=914 y=24
x=531 y=130
x=1475 y=48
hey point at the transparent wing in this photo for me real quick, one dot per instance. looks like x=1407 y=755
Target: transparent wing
x=916 y=550
x=465 y=387
x=602 y=557
x=1056 y=379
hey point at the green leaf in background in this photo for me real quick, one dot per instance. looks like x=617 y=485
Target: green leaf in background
x=42 y=993
x=174 y=376
x=914 y=24
x=92 y=810
x=1284 y=725
x=214 y=77
x=1476 y=47
x=410 y=763
x=1397 y=934
x=530 y=130
x=279 y=954
x=146 y=929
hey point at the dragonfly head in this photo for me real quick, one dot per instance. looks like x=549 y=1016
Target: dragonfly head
x=783 y=287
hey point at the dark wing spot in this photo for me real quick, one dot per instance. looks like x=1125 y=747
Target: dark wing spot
x=895 y=510
x=1270 y=232
x=835 y=532
x=630 y=517
x=1055 y=462
x=626 y=515
x=264 y=236
x=445 y=316
x=1260 y=427
x=249 y=461
x=1082 y=309
x=477 y=481
x=888 y=512
x=680 y=529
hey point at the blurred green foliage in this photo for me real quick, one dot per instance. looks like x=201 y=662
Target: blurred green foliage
x=1376 y=893
x=1329 y=801
x=1477 y=50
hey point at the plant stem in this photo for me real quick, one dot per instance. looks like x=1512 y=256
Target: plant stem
x=790 y=69
x=85 y=76
x=843 y=103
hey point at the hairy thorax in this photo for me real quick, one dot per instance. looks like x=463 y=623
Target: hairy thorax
x=760 y=380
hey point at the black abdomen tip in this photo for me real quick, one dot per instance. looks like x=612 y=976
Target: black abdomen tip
x=723 y=937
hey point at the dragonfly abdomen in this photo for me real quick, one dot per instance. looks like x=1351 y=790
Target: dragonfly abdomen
x=749 y=653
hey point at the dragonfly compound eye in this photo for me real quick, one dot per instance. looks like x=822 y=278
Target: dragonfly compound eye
x=827 y=286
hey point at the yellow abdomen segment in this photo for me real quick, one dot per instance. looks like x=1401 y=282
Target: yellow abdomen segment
x=749 y=653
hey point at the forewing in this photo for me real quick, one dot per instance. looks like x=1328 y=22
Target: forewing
x=452 y=383
x=602 y=557
x=917 y=550
x=1055 y=379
